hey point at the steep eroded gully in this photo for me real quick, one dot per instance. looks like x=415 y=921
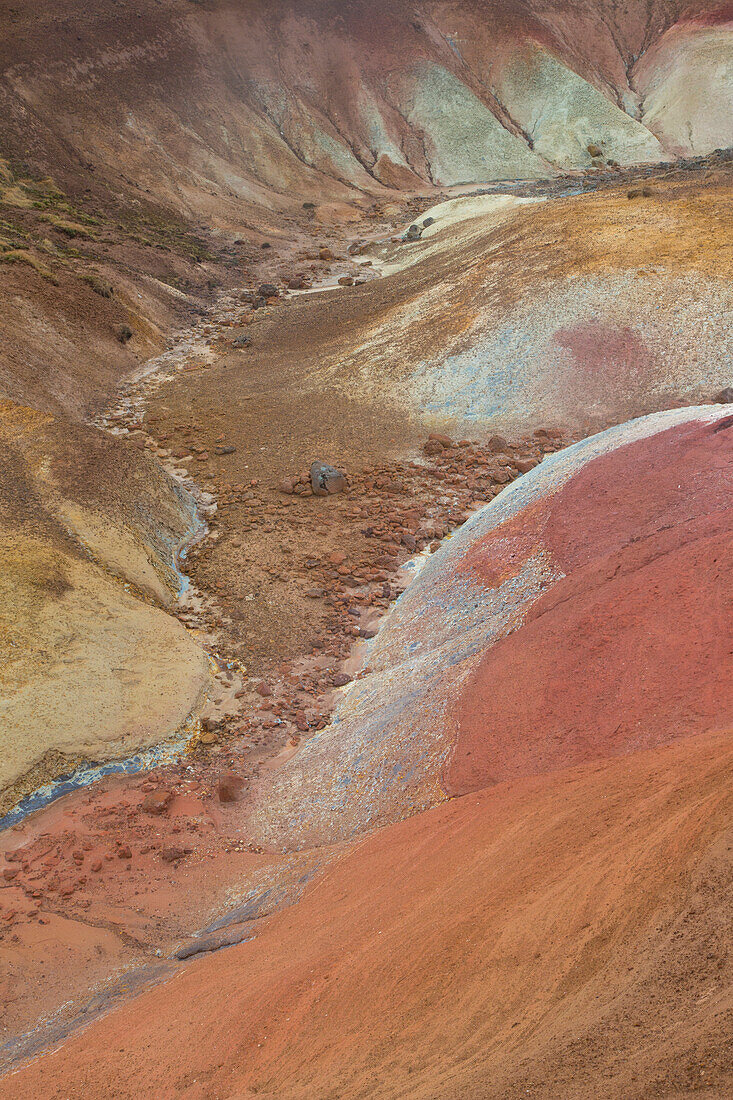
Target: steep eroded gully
x=285 y=590
x=119 y=874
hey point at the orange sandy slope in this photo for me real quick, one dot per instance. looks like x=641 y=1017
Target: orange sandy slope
x=556 y=936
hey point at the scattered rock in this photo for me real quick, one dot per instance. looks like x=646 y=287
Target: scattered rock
x=414 y=233
x=156 y=802
x=346 y=280
x=725 y=397
x=242 y=341
x=326 y=480
x=498 y=444
x=524 y=465
x=123 y=333
x=268 y=290
x=230 y=788
x=341 y=679
x=174 y=854
x=226 y=450
x=428 y=222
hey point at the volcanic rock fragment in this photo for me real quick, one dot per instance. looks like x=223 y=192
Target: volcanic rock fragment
x=156 y=802
x=174 y=854
x=326 y=480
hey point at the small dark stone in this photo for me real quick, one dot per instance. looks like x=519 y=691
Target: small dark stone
x=173 y=854
x=341 y=679
x=725 y=397
x=123 y=333
x=428 y=222
x=414 y=233
x=224 y=450
x=268 y=290
x=242 y=341
x=326 y=480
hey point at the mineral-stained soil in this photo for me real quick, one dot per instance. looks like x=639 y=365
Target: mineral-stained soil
x=442 y=799
x=542 y=937
x=88 y=577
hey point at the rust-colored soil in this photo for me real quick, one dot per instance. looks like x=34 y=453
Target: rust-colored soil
x=633 y=646
x=174 y=174
x=545 y=938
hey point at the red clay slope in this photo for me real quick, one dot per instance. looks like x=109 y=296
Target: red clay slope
x=556 y=936
x=633 y=646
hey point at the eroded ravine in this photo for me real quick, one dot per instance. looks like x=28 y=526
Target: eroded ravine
x=195 y=763
x=176 y=817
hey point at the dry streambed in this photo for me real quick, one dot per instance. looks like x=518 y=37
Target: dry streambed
x=133 y=864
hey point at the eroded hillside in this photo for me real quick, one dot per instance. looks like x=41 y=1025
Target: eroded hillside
x=418 y=788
